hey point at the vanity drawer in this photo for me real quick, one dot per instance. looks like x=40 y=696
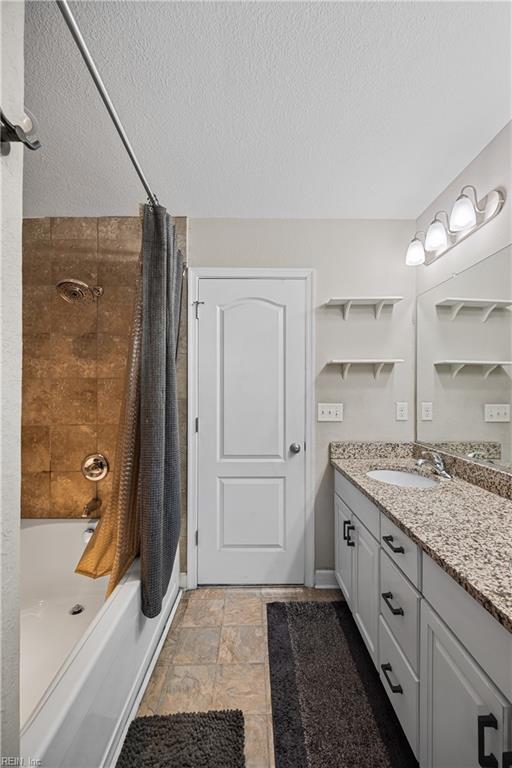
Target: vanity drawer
x=404 y=552
x=400 y=606
x=400 y=683
x=367 y=512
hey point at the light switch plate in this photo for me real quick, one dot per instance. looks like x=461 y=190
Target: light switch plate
x=402 y=411
x=497 y=412
x=330 y=412
x=427 y=411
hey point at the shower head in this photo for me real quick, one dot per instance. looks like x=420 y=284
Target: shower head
x=74 y=291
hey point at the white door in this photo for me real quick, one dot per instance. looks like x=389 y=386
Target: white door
x=365 y=584
x=465 y=721
x=251 y=409
x=343 y=552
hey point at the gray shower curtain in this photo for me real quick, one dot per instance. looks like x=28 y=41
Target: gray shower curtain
x=159 y=471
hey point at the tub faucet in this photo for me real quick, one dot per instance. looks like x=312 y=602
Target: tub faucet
x=92 y=506
x=435 y=461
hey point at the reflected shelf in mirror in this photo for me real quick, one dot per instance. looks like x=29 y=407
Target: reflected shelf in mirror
x=486 y=305
x=488 y=366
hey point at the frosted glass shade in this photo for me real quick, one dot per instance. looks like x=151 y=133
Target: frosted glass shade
x=415 y=253
x=463 y=214
x=437 y=237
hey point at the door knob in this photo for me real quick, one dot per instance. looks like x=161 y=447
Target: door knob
x=295 y=447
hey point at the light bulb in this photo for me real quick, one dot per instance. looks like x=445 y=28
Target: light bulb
x=463 y=214
x=415 y=253
x=436 y=238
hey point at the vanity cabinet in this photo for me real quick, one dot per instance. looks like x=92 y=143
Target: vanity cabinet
x=343 y=550
x=465 y=720
x=365 y=585
x=444 y=661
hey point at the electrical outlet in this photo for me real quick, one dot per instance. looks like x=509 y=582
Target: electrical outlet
x=497 y=412
x=330 y=412
x=402 y=411
x=427 y=411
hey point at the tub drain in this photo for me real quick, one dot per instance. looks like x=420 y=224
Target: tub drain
x=77 y=609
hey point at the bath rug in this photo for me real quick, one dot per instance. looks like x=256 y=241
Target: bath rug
x=329 y=707
x=188 y=740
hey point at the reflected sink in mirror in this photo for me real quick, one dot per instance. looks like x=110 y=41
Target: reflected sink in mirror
x=402 y=478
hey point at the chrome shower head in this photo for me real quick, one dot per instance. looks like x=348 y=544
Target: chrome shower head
x=74 y=291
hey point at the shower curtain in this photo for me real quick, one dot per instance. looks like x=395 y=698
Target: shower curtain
x=143 y=516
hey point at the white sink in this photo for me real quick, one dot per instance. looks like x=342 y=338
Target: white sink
x=403 y=478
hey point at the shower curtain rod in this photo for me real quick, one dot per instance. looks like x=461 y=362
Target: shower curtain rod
x=91 y=66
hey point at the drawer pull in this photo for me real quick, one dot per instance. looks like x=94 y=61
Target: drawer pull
x=486 y=721
x=349 y=541
x=387 y=597
x=345 y=523
x=395 y=688
x=396 y=550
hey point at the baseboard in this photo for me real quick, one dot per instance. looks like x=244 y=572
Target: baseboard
x=325 y=579
x=183 y=580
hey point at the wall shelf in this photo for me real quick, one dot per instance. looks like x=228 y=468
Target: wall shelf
x=486 y=305
x=377 y=365
x=377 y=302
x=487 y=366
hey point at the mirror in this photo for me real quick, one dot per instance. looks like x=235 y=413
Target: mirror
x=464 y=362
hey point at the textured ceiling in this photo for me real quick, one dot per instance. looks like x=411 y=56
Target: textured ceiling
x=264 y=109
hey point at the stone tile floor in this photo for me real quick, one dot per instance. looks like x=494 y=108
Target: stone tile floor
x=215 y=657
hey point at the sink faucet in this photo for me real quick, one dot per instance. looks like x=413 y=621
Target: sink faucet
x=92 y=506
x=436 y=462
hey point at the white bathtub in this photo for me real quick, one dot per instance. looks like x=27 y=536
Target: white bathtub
x=81 y=675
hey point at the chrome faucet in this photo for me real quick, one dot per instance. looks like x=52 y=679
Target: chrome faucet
x=92 y=506
x=436 y=462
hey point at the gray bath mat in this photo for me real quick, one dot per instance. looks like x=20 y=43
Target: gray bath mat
x=328 y=705
x=188 y=740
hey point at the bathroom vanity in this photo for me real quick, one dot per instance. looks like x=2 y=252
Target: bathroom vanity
x=426 y=573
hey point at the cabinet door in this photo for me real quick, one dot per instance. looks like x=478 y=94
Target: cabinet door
x=365 y=585
x=459 y=705
x=343 y=552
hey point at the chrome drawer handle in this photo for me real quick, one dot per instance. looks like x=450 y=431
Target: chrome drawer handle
x=387 y=597
x=395 y=688
x=396 y=550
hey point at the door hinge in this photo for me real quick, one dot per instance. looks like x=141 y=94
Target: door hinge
x=197 y=538
x=197 y=423
x=197 y=303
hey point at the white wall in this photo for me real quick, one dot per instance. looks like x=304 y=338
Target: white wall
x=351 y=258
x=492 y=168
x=11 y=23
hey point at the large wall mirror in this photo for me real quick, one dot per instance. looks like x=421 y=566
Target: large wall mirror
x=464 y=362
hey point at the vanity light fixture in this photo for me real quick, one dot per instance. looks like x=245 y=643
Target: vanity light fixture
x=437 y=233
x=416 y=251
x=445 y=232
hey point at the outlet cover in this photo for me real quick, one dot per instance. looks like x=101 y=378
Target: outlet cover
x=330 y=412
x=427 y=411
x=402 y=411
x=497 y=412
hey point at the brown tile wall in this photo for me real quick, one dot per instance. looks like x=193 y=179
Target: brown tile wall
x=74 y=357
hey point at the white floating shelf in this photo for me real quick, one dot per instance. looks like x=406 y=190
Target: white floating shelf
x=487 y=366
x=377 y=302
x=377 y=365
x=486 y=305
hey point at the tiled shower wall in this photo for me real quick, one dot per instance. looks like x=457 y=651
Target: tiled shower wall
x=74 y=357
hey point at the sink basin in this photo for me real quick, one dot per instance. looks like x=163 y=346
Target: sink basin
x=402 y=478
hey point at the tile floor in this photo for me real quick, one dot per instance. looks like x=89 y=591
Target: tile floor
x=215 y=657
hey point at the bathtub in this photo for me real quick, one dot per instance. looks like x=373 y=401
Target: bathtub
x=81 y=674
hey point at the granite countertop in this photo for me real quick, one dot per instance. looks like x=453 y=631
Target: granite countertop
x=465 y=529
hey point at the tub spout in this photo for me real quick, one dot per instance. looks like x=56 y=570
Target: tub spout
x=93 y=505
